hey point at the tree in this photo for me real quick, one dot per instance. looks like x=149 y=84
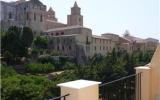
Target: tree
x=16 y=41
x=40 y=42
x=24 y=87
x=27 y=36
x=11 y=42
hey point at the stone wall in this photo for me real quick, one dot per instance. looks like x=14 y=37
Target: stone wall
x=67 y=46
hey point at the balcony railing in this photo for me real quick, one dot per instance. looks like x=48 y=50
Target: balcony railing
x=60 y=97
x=125 y=88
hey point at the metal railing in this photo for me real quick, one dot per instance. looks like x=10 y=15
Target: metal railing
x=60 y=97
x=125 y=88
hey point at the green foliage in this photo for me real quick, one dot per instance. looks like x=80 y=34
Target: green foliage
x=27 y=36
x=7 y=71
x=15 y=41
x=40 y=42
x=69 y=65
x=22 y=87
x=101 y=68
x=40 y=68
x=46 y=59
x=55 y=53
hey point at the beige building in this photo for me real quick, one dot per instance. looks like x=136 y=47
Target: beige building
x=71 y=39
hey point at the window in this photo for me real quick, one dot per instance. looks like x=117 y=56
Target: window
x=62 y=33
x=62 y=47
x=87 y=39
x=57 y=34
x=103 y=48
x=10 y=15
x=41 y=18
x=79 y=19
x=25 y=8
x=100 y=47
x=27 y=15
x=107 y=48
x=95 y=48
x=70 y=48
x=57 y=47
x=34 y=16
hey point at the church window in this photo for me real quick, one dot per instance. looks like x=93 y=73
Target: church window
x=27 y=15
x=70 y=48
x=62 y=33
x=10 y=15
x=79 y=19
x=87 y=39
x=57 y=33
x=34 y=16
x=41 y=18
x=62 y=47
x=57 y=47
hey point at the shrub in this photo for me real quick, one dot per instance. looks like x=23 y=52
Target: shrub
x=40 y=68
x=7 y=71
x=69 y=65
x=21 y=87
x=45 y=59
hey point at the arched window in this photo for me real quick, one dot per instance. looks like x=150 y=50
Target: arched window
x=41 y=18
x=62 y=47
x=10 y=15
x=57 y=47
x=79 y=19
x=62 y=33
x=27 y=15
x=34 y=16
x=57 y=33
x=95 y=47
x=70 y=48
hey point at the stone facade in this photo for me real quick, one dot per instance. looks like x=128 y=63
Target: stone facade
x=75 y=18
x=130 y=43
x=26 y=13
x=71 y=39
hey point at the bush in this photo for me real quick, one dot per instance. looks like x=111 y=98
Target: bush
x=45 y=59
x=40 y=68
x=69 y=65
x=7 y=71
x=15 y=86
x=22 y=87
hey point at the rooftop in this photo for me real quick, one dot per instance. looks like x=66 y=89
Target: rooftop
x=99 y=37
x=65 y=28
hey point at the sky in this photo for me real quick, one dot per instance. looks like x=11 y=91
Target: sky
x=140 y=17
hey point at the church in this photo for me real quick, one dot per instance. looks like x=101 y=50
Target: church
x=71 y=39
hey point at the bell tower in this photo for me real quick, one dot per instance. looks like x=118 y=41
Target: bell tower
x=75 y=18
